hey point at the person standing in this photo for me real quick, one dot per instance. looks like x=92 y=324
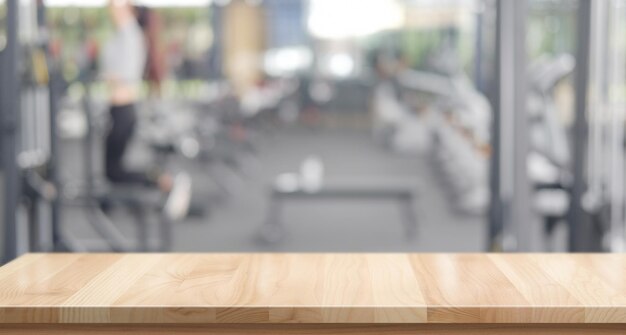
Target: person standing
x=123 y=63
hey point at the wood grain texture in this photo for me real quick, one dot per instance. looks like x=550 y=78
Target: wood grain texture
x=309 y=329
x=205 y=289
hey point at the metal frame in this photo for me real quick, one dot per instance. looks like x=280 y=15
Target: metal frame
x=616 y=239
x=478 y=45
x=9 y=88
x=53 y=168
x=496 y=215
x=604 y=187
x=511 y=226
x=55 y=83
x=215 y=54
x=582 y=235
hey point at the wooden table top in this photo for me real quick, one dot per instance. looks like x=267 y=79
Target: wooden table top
x=313 y=288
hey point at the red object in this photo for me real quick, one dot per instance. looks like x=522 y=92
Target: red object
x=156 y=68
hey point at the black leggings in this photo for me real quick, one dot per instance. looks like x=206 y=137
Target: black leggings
x=123 y=123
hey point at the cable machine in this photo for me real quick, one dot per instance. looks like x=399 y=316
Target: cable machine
x=27 y=132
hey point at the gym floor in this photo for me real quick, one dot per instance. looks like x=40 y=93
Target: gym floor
x=231 y=223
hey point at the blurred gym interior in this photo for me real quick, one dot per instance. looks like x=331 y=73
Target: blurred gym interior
x=318 y=126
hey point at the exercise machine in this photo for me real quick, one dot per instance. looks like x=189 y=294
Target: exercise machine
x=31 y=194
x=98 y=198
x=453 y=126
x=549 y=159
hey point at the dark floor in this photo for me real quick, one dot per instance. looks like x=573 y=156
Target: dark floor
x=233 y=222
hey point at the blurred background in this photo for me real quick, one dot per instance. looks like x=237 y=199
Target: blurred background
x=315 y=125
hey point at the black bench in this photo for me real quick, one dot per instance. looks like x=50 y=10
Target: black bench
x=403 y=192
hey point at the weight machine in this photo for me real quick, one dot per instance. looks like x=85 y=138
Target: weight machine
x=27 y=138
x=30 y=92
x=96 y=197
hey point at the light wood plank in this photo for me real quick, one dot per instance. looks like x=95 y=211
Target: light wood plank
x=465 y=288
x=550 y=300
x=603 y=303
x=395 y=288
x=73 y=273
x=204 y=289
x=92 y=303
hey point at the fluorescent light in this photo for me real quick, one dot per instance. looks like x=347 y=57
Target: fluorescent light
x=284 y=61
x=341 y=65
x=75 y=3
x=149 y=3
x=338 y=19
x=174 y=3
